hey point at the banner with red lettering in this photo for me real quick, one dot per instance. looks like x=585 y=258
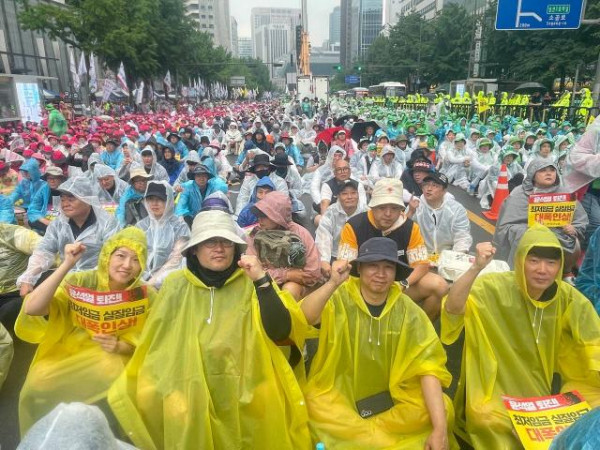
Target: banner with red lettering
x=538 y=420
x=551 y=210
x=115 y=312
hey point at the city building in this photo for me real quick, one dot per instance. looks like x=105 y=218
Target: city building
x=323 y=60
x=428 y=8
x=212 y=17
x=233 y=37
x=361 y=21
x=245 y=47
x=288 y=17
x=272 y=45
x=334 y=25
x=33 y=67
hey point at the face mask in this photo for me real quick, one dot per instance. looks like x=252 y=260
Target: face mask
x=262 y=173
x=282 y=172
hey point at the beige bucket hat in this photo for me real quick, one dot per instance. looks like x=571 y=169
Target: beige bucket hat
x=213 y=224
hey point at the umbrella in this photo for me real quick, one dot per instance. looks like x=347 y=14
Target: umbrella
x=327 y=135
x=529 y=88
x=342 y=120
x=358 y=130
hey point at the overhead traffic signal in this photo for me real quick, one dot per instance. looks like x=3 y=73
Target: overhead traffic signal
x=338 y=67
x=358 y=68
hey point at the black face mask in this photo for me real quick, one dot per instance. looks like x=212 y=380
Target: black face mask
x=262 y=173
x=282 y=172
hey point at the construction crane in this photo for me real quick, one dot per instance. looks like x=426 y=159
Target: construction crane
x=304 y=48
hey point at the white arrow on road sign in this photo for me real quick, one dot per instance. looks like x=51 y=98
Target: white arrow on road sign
x=521 y=14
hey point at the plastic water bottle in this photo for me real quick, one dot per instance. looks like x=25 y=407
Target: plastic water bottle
x=320 y=446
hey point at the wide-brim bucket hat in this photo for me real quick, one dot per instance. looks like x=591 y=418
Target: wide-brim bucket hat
x=213 y=224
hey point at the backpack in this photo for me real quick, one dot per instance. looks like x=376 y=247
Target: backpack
x=280 y=248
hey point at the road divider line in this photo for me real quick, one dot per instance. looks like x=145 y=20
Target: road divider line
x=482 y=223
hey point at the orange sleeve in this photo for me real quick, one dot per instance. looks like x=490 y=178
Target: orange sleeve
x=417 y=250
x=348 y=238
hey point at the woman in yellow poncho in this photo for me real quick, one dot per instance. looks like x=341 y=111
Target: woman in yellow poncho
x=376 y=379
x=72 y=363
x=207 y=373
x=521 y=327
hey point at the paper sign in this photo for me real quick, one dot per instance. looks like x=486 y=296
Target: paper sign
x=538 y=420
x=551 y=210
x=115 y=312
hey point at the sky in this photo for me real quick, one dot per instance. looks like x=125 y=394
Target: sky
x=318 y=15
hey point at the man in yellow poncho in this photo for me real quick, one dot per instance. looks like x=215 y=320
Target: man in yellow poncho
x=72 y=363
x=521 y=327
x=207 y=373
x=376 y=379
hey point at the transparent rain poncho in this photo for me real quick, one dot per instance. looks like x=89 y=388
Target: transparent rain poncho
x=59 y=234
x=105 y=197
x=166 y=237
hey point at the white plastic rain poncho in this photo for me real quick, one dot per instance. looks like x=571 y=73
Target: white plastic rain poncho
x=248 y=186
x=444 y=228
x=481 y=163
x=59 y=234
x=327 y=236
x=105 y=197
x=222 y=165
x=166 y=237
x=488 y=185
x=380 y=169
x=359 y=356
x=68 y=365
x=514 y=345
x=70 y=426
x=192 y=156
x=455 y=169
x=158 y=172
x=324 y=173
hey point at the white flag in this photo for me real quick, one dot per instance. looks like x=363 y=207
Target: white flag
x=93 y=78
x=167 y=82
x=108 y=88
x=122 y=79
x=73 y=70
x=139 y=94
x=82 y=70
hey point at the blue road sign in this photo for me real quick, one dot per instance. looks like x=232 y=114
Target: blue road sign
x=352 y=79
x=539 y=14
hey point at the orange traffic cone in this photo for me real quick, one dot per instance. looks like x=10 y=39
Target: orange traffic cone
x=500 y=195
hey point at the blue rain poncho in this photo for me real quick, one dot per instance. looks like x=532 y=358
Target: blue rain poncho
x=27 y=188
x=190 y=200
x=588 y=277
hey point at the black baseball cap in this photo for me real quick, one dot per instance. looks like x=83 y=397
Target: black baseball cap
x=347 y=183
x=156 y=190
x=438 y=178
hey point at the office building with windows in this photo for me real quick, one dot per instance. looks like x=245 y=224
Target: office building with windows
x=212 y=17
x=361 y=21
x=283 y=17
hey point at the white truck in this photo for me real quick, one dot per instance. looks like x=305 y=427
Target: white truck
x=311 y=87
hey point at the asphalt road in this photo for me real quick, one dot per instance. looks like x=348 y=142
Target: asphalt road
x=481 y=229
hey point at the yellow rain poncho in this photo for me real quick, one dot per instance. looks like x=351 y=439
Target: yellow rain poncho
x=359 y=356
x=514 y=345
x=206 y=375
x=68 y=366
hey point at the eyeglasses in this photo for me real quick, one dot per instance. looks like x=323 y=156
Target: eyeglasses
x=343 y=170
x=216 y=242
